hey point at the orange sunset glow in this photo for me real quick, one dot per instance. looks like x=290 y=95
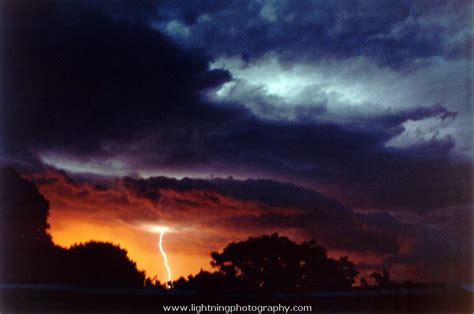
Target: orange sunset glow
x=142 y=246
x=83 y=212
x=200 y=221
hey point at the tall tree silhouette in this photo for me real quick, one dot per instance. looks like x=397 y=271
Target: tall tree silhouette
x=24 y=236
x=277 y=263
x=28 y=255
x=24 y=210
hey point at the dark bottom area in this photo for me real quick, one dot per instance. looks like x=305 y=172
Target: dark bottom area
x=145 y=301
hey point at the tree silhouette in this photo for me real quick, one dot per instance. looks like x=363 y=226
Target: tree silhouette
x=28 y=254
x=153 y=283
x=382 y=279
x=102 y=264
x=276 y=263
x=207 y=281
x=24 y=211
x=24 y=236
x=363 y=282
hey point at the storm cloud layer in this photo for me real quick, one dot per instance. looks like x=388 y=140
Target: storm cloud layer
x=368 y=104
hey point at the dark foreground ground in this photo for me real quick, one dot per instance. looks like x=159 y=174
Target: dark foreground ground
x=64 y=299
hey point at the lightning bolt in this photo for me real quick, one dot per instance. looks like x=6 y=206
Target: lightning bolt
x=161 y=230
x=163 y=253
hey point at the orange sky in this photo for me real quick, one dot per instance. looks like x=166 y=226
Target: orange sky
x=81 y=211
x=142 y=246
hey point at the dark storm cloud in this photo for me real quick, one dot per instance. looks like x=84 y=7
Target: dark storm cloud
x=394 y=33
x=352 y=157
x=269 y=192
x=75 y=76
x=320 y=217
x=86 y=83
x=340 y=232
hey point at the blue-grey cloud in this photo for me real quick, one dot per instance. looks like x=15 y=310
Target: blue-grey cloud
x=394 y=33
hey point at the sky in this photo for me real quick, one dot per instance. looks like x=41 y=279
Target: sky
x=347 y=124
